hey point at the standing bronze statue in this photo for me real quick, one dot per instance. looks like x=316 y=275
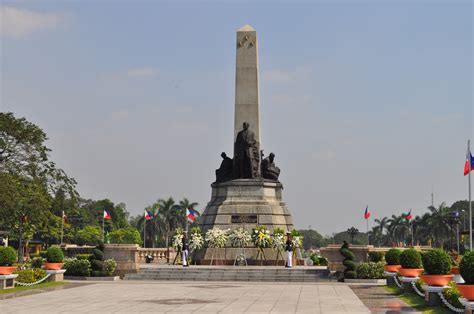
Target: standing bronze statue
x=246 y=154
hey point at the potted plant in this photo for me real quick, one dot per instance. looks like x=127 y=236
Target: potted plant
x=466 y=268
x=437 y=265
x=410 y=260
x=7 y=258
x=455 y=259
x=393 y=261
x=54 y=259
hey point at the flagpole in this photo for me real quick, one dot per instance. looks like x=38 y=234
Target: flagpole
x=368 y=237
x=144 y=231
x=470 y=205
x=103 y=228
x=62 y=228
x=412 y=242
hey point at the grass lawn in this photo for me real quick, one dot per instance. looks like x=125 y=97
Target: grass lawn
x=416 y=301
x=38 y=286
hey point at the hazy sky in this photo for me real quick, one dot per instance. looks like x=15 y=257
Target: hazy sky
x=362 y=102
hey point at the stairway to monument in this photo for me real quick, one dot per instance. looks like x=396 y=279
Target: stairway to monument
x=230 y=273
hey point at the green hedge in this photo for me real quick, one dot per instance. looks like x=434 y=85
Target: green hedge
x=393 y=257
x=410 y=258
x=76 y=267
x=437 y=262
x=30 y=275
x=466 y=268
x=7 y=256
x=54 y=255
x=370 y=270
x=375 y=257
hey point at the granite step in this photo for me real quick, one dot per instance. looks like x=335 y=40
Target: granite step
x=262 y=274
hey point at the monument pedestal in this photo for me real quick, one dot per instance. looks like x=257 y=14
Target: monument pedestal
x=244 y=203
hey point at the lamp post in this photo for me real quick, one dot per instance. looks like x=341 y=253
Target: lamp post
x=352 y=232
x=453 y=219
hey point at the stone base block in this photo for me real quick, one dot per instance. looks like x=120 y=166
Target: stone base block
x=432 y=296
x=407 y=286
x=56 y=275
x=390 y=277
x=468 y=306
x=7 y=281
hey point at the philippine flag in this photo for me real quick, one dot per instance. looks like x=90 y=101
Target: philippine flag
x=147 y=215
x=367 y=213
x=469 y=164
x=409 y=215
x=192 y=214
x=107 y=215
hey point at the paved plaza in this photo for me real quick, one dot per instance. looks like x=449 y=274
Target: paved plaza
x=191 y=297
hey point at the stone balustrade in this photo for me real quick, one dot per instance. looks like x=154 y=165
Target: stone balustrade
x=160 y=255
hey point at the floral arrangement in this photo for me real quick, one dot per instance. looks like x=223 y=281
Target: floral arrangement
x=178 y=239
x=216 y=237
x=261 y=237
x=297 y=239
x=197 y=240
x=278 y=239
x=240 y=237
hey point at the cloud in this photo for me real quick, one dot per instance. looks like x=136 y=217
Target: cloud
x=120 y=115
x=277 y=76
x=18 y=23
x=141 y=72
x=324 y=155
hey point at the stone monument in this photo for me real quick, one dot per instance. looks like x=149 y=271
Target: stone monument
x=247 y=191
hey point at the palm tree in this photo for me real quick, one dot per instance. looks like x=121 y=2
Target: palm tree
x=398 y=228
x=438 y=222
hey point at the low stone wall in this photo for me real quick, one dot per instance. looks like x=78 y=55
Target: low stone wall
x=331 y=252
x=71 y=250
x=126 y=256
x=160 y=255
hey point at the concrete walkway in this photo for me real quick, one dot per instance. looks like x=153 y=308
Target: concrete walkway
x=192 y=297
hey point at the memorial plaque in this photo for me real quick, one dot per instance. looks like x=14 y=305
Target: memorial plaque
x=241 y=219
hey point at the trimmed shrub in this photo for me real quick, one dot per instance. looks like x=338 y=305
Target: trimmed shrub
x=466 y=268
x=54 y=255
x=375 y=257
x=318 y=260
x=437 y=262
x=452 y=295
x=370 y=270
x=349 y=272
x=43 y=254
x=30 y=275
x=109 y=266
x=76 y=267
x=83 y=256
x=36 y=262
x=7 y=256
x=393 y=257
x=98 y=255
x=410 y=258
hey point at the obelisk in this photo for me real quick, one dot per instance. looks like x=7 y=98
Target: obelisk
x=247 y=102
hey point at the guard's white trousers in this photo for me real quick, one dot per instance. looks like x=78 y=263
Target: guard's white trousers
x=184 y=257
x=289 y=258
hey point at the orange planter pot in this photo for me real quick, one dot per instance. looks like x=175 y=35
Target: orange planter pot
x=467 y=291
x=392 y=268
x=437 y=280
x=410 y=272
x=53 y=266
x=7 y=270
x=455 y=270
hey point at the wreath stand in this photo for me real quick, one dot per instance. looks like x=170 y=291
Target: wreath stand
x=295 y=256
x=279 y=254
x=245 y=257
x=261 y=256
x=212 y=257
